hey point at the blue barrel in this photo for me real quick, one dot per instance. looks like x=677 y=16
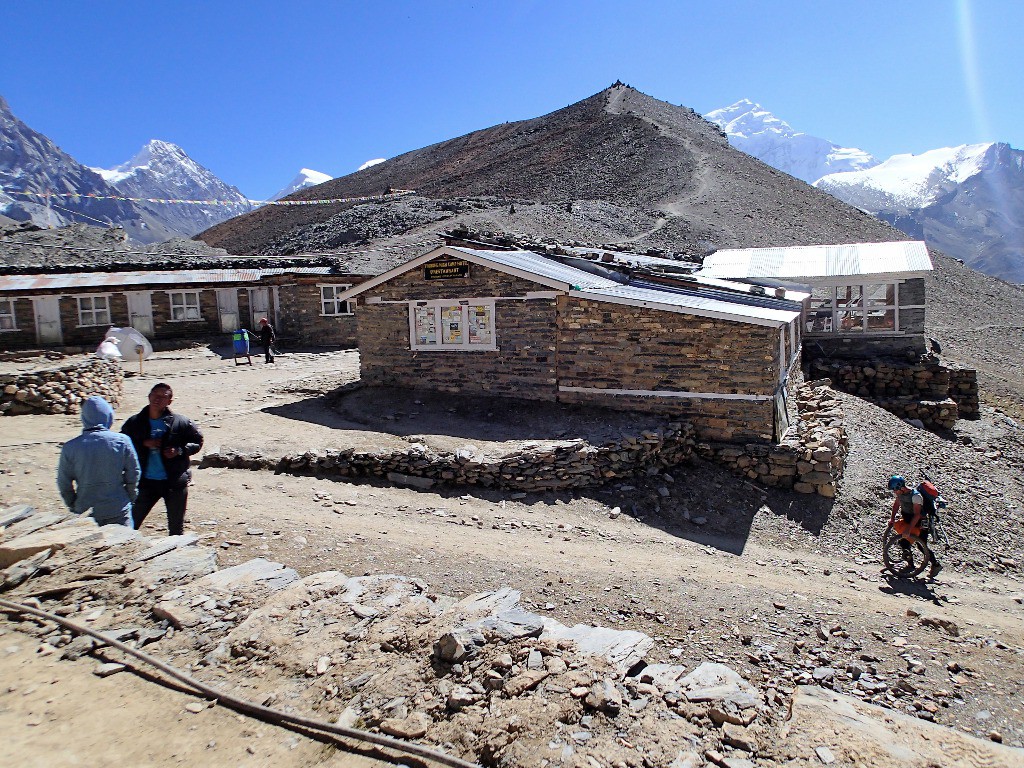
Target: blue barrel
x=240 y=339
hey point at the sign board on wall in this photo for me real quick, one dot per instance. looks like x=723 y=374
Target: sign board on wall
x=442 y=269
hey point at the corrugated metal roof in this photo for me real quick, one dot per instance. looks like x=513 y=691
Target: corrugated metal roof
x=542 y=266
x=690 y=303
x=636 y=258
x=24 y=283
x=816 y=261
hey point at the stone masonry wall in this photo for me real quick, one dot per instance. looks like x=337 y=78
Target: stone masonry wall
x=302 y=318
x=60 y=390
x=522 y=366
x=963 y=390
x=544 y=467
x=811 y=456
x=619 y=347
x=926 y=391
x=25 y=320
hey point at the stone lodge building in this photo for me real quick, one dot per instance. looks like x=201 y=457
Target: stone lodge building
x=569 y=329
x=68 y=308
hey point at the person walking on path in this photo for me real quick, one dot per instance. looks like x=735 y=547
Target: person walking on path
x=165 y=442
x=99 y=469
x=267 y=339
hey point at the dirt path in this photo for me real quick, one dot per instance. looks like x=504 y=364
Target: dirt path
x=753 y=593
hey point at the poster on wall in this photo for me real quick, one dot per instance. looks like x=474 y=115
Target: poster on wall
x=451 y=324
x=426 y=327
x=481 y=327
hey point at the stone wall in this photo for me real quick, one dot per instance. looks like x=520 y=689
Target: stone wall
x=811 y=456
x=24 y=334
x=302 y=319
x=522 y=366
x=610 y=346
x=963 y=389
x=926 y=391
x=60 y=389
x=544 y=467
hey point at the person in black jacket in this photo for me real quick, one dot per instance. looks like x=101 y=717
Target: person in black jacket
x=267 y=339
x=165 y=443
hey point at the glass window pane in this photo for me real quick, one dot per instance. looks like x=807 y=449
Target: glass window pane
x=851 y=321
x=451 y=324
x=424 y=319
x=880 y=295
x=881 y=319
x=849 y=295
x=177 y=313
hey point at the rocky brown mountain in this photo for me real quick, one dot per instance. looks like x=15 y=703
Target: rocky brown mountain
x=618 y=166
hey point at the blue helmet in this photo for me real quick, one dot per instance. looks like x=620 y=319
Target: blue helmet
x=896 y=482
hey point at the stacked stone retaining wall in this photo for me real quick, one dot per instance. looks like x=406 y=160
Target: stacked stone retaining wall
x=811 y=456
x=61 y=389
x=541 y=467
x=934 y=394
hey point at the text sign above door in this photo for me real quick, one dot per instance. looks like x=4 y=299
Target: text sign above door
x=441 y=269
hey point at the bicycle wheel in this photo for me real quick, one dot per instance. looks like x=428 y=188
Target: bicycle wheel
x=905 y=562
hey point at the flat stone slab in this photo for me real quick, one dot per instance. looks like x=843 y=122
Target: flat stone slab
x=247 y=577
x=623 y=648
x=11 y=515
x=75 y=532
x=182 y=564
x=35 y=522
x=164 y=544
x=857 y=733
x=711 y=681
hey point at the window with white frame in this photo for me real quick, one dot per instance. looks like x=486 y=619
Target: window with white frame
x=466 y=325
x=184 y=306
x=330 y=303
x=853 y=309
x=94 y=310
x=7 y=322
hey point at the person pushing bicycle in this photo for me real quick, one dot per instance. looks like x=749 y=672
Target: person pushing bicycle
x=910 y=503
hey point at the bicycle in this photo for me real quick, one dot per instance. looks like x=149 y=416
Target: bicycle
x=907 y=558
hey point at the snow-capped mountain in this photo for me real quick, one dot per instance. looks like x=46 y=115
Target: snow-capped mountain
x=756 y=131
x=967 y=201
x=904 y=182
x=371 y=163
x=162 y=170
x=31 y=165
x=304 y=178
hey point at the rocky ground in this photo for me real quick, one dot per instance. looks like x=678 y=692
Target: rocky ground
x=784 y=590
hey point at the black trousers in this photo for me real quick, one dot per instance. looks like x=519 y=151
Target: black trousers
x=175 y=496
x=267 y=350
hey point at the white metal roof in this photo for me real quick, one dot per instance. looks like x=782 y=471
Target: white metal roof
x=540 y=266
x=905 y=258
x=746 y=308
x=688 y=303
x=51 y=281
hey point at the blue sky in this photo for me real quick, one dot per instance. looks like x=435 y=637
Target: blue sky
x=256 y=90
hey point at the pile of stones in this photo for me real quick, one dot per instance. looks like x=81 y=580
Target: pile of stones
x=534 y=467
x=809 y=459
x=61 y=389
x=481 y=676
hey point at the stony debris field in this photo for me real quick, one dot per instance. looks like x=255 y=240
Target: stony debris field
x=683 y=618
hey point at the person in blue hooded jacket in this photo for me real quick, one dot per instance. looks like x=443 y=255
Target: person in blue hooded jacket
x=99 y=469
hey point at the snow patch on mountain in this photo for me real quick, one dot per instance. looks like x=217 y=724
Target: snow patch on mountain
x=756 y=131
x=305 y=178
x=371 y=163
x=909 y=181
x=163 y=170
